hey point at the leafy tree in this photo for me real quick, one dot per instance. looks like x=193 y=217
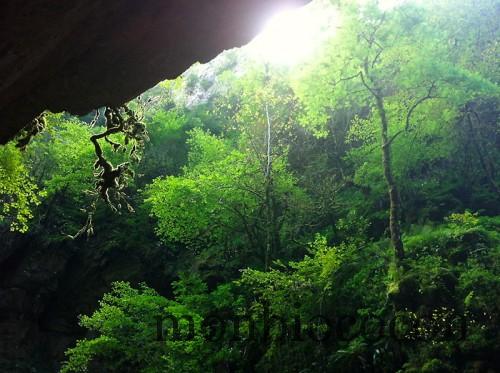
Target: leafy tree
x=271 y=191
x=61 y=158
x=127 y=320
x=19 y=194
x=219 y=200
x=382 y=59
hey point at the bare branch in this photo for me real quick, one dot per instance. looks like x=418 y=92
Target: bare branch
x=95 y=119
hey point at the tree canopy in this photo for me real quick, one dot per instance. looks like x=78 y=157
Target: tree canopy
x=359 y=187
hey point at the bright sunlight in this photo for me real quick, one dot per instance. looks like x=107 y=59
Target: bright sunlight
x=293 y=35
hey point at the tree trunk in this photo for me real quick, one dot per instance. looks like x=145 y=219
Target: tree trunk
x=393 y=192
x=267 y=256
x=268 y=191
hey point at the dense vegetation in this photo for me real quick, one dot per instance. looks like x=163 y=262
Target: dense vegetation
x=347 y=210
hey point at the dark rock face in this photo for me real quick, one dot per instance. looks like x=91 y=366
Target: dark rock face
x=44 y=286
x=82 y=54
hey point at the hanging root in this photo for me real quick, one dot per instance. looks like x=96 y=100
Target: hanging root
x=95 y=119
x=88 y=228
x=110 y=180
x=32 y=129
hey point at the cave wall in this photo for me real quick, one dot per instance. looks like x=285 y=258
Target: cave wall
x=82 y=54
x=46 y=284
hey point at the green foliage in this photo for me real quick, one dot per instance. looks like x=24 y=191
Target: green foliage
x=331 y=281
x=263 y=191
x=217 y=202
x=18 y=192
x=166 y=152
x=62 y=157
x=126 y=335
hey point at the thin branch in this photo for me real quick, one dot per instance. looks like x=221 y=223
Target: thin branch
x=428 y=96
x=363 y=80
x=394 y=137
x=96 y=118
x=412 y=109
x=372 y=42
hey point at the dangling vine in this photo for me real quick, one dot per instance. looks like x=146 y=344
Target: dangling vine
x=112 y=180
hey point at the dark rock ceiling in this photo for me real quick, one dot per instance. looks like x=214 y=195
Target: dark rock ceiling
x=82 y=54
